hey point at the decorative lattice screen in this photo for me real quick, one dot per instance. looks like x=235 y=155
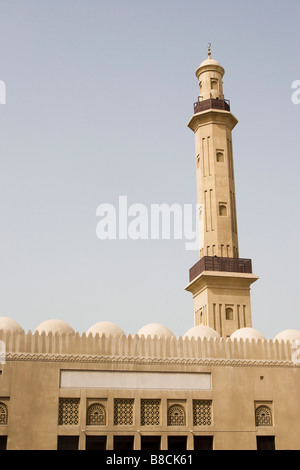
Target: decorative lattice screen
x=96 y=415
x=150 y=412
x=123 y=411
x=202 y=412
x=3 y=414
x=68 y=411
x=176 y=416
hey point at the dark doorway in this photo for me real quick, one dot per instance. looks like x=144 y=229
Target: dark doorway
x=95 y=443
x=150 y=443
x=67 y=443
x=3 y=442
x=123 y=443
x=177 y=443
x=203 y=442
x=265 y=442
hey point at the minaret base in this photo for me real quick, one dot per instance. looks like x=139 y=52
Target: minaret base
x=222 y=300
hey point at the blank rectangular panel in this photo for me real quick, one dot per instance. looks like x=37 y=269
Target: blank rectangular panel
x=135 y=380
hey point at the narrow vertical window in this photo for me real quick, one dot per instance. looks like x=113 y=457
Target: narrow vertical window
x=3 y=414
x=220 y=156
x=222 y=210
x=214 y=84
x=229 y=313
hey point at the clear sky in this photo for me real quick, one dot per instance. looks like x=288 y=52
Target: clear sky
x=98 y=96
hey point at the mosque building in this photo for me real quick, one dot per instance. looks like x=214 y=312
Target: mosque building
x=220 y=386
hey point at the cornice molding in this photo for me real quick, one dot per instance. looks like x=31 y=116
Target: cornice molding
x=133 y=360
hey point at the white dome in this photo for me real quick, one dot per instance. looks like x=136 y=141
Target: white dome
x=288 y=335
x=54 y=326
x=155 y=329
x=247 y=333
x=107 y=328
x=209 y=62
x=209 y=65
x=8 y=324
x=201 y=331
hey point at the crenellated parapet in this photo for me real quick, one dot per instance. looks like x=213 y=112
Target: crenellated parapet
x=138 y=349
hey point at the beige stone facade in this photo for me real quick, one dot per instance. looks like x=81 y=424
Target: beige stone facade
x=161 y=391
x=219 y=386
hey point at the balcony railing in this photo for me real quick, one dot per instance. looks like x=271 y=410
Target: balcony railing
x=211 y=104
x=216 y=263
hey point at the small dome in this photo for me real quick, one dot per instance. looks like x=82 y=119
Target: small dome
x=209 y=65
x=155 y=329
x=8 y=324
x=288 y=335
x=247 y=333
x=209 y=62
x=201 y=331
x=106 y=328
x=54 y=326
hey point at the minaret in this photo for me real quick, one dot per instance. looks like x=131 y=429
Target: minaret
x=220 y=281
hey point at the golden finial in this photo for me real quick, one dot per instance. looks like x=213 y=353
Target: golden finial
x=209 y=52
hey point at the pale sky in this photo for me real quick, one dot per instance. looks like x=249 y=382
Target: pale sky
x=98 y=97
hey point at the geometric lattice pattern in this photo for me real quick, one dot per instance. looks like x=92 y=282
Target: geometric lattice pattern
x=68 y=411
x=202 y=412
x=150 y=412
x=263 y=416
x=96 y=415
x=176 y=416
x=123 y=411
x=3 y=414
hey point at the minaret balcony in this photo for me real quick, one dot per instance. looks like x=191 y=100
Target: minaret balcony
x=203 y=105
x=216 y=263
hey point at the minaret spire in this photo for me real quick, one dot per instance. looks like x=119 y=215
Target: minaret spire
x=220 y=281
x=209 y=50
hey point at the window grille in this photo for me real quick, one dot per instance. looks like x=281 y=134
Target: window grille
x=68 y=411
x=150 y=412
x=176 y=416
x=202 y=411
x=123 y=411
x=96 y=415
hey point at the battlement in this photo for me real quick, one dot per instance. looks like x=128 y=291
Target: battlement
x=137 y=349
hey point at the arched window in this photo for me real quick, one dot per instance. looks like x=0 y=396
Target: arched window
x=263 y=416
x=220 y=157
x=229 y=313
x=96 y=415
x=222 y=210
x=176 y=416
x=214 y=84
x=3 y=414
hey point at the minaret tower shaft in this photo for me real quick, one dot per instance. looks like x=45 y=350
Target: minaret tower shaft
x=220 y=281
